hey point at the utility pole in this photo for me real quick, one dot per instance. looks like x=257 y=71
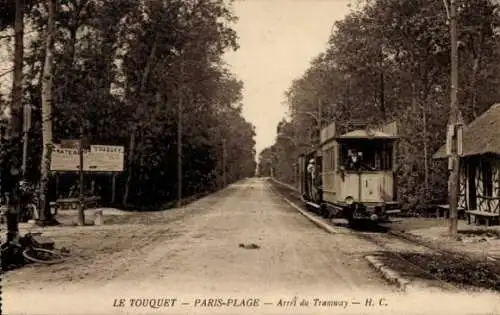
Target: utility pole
x=179 y=135
x=454 y=133
x=113 y=187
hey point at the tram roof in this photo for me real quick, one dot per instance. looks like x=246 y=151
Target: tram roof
x=366 y=134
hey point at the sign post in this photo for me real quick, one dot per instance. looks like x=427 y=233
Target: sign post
x=97 y=158
x=78 y=156
x=113 y=187
x=81 y=209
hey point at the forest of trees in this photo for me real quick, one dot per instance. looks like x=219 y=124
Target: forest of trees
x=390 y=60
x=115 y=72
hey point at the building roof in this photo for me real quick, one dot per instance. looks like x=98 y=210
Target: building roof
x=481 y=136
x=366 y=134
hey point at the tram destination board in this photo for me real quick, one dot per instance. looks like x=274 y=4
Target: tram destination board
x=99 y=158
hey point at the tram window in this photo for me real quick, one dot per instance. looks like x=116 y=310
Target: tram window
x=326 y=160
x=366 y=155
x=329 y=159
x=332 y=159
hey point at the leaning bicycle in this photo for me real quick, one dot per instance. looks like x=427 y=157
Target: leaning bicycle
x=38 y=254
x=26 y=250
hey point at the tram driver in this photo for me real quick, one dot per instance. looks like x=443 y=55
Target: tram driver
x=354 y=159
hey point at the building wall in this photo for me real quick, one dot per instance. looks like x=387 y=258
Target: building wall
x=480 y=183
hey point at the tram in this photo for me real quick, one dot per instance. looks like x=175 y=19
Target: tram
x=352 y=175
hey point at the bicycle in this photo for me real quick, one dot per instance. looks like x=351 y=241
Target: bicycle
x=24 y=250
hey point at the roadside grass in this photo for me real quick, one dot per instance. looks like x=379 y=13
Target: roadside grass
x=472 y=275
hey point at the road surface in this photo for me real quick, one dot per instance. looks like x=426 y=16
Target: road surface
x=195 y=252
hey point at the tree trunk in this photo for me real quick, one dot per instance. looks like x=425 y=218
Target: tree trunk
x=130 y=160
x=133 y=135
x=11 y=161
x=17 y=83
x=426 y=149
x=475 y=69
x=48 y=73
x=382 y=87
x=71 y=50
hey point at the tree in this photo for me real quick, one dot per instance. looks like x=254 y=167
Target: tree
x=47 y=97
x=116 y=69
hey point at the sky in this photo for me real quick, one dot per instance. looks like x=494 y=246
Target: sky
x=278 y=39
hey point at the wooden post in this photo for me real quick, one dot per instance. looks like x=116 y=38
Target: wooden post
x=113 y=187
x=454 y=114
x=57 y=184
x=81 y=209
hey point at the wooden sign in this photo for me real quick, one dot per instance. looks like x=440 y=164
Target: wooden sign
x=460 y=141
x=100 y=158
x=64 y=159
x=106 y=158
x=450 y=133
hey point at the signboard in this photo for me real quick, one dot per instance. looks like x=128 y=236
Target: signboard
x=450 y=133
x=64 y=159
x=100 y=158
x=105 y=158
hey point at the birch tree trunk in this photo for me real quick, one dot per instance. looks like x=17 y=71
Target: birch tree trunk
x=48 y=73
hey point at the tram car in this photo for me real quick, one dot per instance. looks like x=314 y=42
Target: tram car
x=352 y=175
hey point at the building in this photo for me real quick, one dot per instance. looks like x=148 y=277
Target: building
x=479 y=179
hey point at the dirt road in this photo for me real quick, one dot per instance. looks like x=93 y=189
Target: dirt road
x=202 y=249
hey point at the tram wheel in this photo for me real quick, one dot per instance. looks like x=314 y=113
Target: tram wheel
x=324 y=213
x=353 y=223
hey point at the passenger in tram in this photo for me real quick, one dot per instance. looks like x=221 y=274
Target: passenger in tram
x=311 y=170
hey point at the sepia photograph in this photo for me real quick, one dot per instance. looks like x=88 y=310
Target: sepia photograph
x=250 y=157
